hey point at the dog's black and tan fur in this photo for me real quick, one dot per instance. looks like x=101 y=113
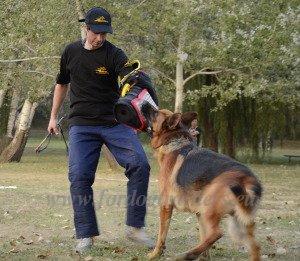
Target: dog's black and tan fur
x=203 y=182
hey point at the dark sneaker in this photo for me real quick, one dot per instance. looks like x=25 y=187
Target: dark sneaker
x=139 y=236
x=84 y=244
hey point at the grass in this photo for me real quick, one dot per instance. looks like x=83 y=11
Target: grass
x=36 y=217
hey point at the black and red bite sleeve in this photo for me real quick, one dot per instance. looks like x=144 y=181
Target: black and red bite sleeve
x=133 y=75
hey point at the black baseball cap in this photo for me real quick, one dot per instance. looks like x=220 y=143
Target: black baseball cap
x=98 y=20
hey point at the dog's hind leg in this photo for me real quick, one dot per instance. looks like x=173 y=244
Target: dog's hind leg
x=236 y=230
x=251 y=242
x=211 y=222
x=244 y=234
x=165 y=219
x=202 y=234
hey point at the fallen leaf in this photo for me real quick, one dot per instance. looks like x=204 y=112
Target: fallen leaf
x=42 y=256
x=58 y=215
x=271 y=240
x=14 y=250
x=280 y=250
x=66 y=227
x=28 y=242
x=7 y=215
x=21 y=237
x=88 y=258
x=118 y=250
x=188 y=220
x=268 y=228
x=13 y=242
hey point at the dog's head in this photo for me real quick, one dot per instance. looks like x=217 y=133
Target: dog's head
x=165 y=125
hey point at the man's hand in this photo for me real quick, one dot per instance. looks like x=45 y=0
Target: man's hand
x=52 y=127
x=194 y=132
x=60 y=93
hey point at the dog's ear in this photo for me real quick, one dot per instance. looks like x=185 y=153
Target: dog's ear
x=173 y=121
x=188 y=117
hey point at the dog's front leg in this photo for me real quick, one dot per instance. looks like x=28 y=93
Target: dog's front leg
x=165 y=218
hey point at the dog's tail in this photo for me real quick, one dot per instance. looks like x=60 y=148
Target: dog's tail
x=248 y=194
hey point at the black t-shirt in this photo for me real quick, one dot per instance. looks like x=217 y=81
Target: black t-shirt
x=92 y=75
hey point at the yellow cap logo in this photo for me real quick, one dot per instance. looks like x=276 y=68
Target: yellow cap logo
x=101 y=19
x=102 y=70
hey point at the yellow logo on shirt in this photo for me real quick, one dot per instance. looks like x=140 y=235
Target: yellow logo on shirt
x=102 y=70
x=100 y=19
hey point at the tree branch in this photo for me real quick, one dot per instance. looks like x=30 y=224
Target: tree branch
x=202 y=72
x=29 y=71
x=29 y=59
x=38 y=72
x=141 y=3
x=164 y=75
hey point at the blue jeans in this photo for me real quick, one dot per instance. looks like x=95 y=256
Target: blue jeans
x=85 y=146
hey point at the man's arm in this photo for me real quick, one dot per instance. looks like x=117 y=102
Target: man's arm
x=59 y=96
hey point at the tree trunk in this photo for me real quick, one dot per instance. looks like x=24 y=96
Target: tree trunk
x=181 y=58
x=20 y=152
x=2 y=95
x=4 y=142
x=210 y=133
x=32 y=112
x=14 y=150
x=179 y=87
x=229 y=143
x=80 y=16
x=112 y=163
x=13 y=113
x=211 y=139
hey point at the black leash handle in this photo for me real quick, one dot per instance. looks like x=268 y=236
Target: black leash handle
x=39 y=148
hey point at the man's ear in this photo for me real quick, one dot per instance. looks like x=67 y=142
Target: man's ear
x=188 y=117
x=173 y=121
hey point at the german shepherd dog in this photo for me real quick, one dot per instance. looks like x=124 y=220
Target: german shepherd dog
x=203 y=182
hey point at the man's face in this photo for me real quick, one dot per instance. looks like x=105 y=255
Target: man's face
x=95 y=40
x=194 y=123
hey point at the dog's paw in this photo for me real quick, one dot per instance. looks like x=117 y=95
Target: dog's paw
x=186 y=256
x=155 y=254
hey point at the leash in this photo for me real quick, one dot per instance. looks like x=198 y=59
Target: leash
x=45 y=142
x=123 y=84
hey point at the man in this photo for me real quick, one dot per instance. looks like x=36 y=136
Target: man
x=195 y=131
x=91 y=67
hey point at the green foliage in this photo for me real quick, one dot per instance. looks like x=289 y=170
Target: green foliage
x=34 y=29
x=254 y=45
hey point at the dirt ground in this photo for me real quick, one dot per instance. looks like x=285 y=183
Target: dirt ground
x=36 y=214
